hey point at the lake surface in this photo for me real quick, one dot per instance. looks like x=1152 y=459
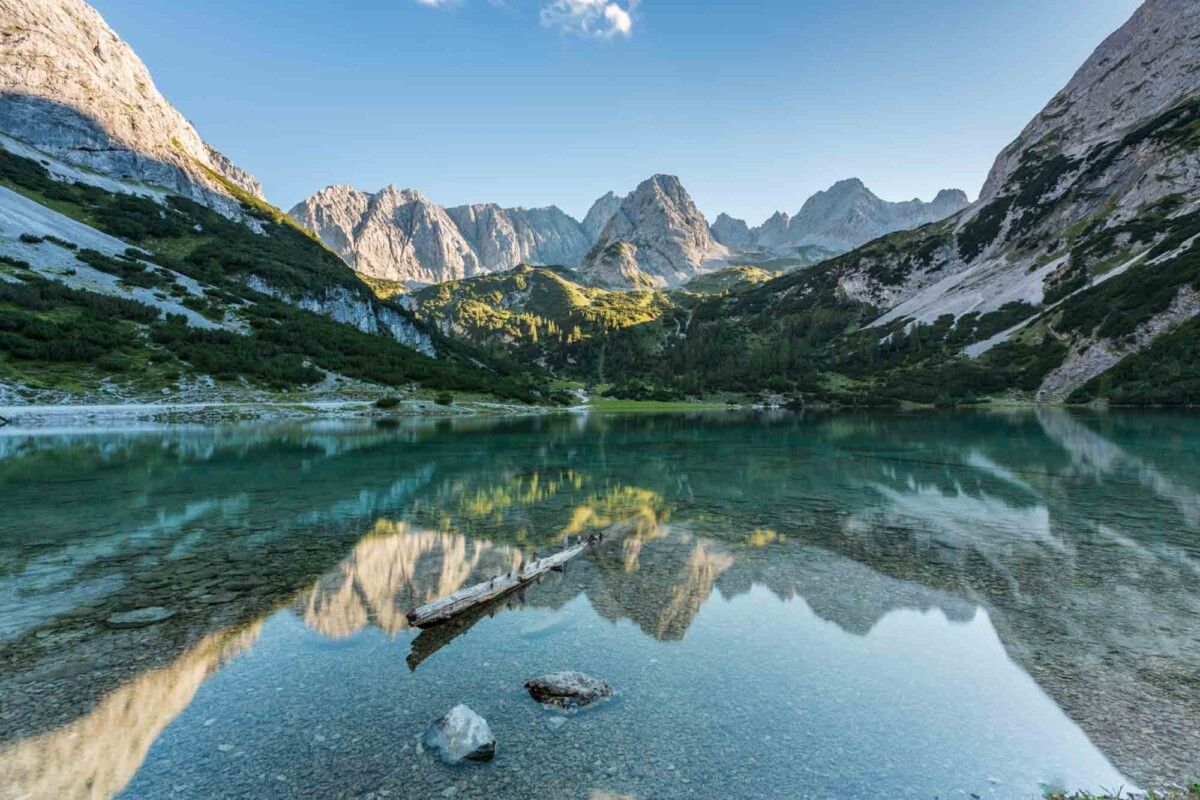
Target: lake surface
x=896 y=605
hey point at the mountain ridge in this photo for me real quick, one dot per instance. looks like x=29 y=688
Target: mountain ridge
x=840 y=218
x=498 y=238
x=1075 y=277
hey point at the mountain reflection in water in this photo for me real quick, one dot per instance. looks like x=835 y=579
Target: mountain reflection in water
x=1070 y=542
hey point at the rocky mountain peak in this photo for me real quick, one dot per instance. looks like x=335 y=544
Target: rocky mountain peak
x=670 y=235
x=732 y=232
x=1078 y=204
x=402 y=235
x=847 y=186
x=599 y=215
x=839 y=218
x=951 y=197
x=1144 y=68
x=73 y=89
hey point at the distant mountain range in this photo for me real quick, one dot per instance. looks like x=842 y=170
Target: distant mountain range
x=655 y=236
x=1074 y=277
x=136 y=253
x=400 y=235
x=841 y=218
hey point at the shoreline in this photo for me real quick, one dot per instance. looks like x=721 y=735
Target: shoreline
x=19 y=418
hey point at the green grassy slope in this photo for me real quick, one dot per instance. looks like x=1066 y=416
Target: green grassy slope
x=55 y=339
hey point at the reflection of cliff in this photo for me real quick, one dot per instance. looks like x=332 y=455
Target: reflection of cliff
x=1105 y=623
x=699 y=574
x=394 y=569
x=96 y=755
x=1096 y=456
x=1080 y=546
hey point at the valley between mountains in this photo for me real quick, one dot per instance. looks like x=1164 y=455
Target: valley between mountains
x=136 y=261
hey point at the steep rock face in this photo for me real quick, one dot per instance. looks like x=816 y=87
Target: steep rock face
x=549 y=236
x=350 y=308
x=503 y=238
x=731 y=232
x=1106 y=171
x=843 y=217
x=75 y=90
x=848 y=214
x=668 y=237
x=394 y=234
x=774 y=234
x=1137 y=73
x=599 y=215
x=490 y=232
x=402 y=236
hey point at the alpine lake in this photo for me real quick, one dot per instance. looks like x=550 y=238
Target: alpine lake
x=893 y=605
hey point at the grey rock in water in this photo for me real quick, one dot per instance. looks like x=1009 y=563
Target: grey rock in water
x=139 y=617
x=568 y=690
x=461 y=735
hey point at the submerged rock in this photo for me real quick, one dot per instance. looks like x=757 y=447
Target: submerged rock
x=568 y=690
x=461 y=735
x=139 y=617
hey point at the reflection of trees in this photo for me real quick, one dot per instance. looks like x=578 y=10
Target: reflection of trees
x=96 y=755
x=1076 y=543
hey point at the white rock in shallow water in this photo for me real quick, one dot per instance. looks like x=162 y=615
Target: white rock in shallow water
x=568 y=689
x=461 y=734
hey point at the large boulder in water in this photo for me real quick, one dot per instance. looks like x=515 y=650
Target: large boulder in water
x=568 y=690
x=461 y=735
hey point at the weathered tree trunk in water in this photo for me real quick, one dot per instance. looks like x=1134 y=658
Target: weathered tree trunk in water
x=463 y=599
x=452 y=605
x=434 y=638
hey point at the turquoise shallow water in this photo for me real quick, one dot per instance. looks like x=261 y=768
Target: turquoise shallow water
x=924 y=605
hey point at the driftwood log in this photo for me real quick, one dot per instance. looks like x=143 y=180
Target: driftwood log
x=483 y=593
x=472 y=596
x=432 y=639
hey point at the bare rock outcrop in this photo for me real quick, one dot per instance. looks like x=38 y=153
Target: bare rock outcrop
x=393 y=234
x=401 y=235
x=72 y=88
x=670 y=237
x=843 y=217
x=599 y=215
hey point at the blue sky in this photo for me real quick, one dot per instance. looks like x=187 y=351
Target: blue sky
x=755 y=104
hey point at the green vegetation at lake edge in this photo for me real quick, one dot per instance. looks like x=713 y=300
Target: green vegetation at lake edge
x=282 y=346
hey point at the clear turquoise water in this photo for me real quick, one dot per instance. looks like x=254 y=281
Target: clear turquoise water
x=919 y=605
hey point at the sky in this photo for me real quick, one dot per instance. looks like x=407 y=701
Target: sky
x=755 y=104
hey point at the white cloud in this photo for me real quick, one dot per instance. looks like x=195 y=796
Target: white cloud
x=435 y=3
x=603 y=19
